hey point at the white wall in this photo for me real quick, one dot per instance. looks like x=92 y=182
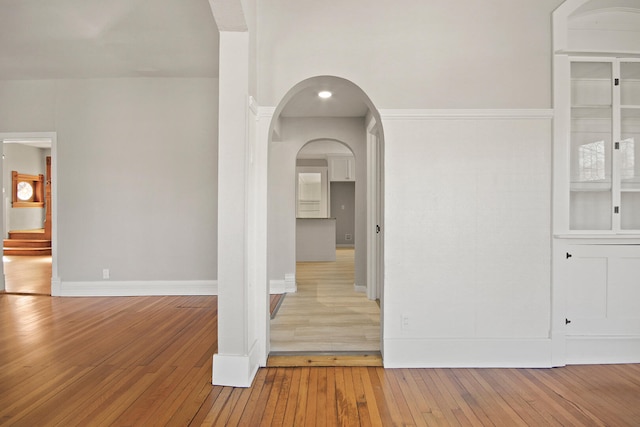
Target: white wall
x=467 y=241
x=412 y=54
x=282 y=175
x=137 y=173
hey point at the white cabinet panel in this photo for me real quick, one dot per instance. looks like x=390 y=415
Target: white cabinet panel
x=624 y=288
x=587 y=290
x=342 y=168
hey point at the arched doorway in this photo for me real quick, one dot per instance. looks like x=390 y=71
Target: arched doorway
x=347 y=116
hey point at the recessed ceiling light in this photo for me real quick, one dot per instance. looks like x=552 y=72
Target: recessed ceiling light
x=325 y=94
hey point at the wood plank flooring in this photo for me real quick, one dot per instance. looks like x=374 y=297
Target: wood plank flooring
x=326 y=314
x=147 y=361
x=27 y=274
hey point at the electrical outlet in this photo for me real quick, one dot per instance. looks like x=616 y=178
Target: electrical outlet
x=105 y=273
x=348 y=236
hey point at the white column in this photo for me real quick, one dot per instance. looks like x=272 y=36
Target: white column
x=236 y=362
x=260 y=120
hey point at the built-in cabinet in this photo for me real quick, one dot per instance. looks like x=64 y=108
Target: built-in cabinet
x=597 y=246
x=341 y=168
x=596 y=201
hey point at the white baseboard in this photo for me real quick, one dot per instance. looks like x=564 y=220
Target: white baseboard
x=55 y=286
x=276 y=287
x=360 y=288
x=470 y=353
x=283 y=286
x=589 y=350
x=290 y=282
x=235 y=370
x=134 y=288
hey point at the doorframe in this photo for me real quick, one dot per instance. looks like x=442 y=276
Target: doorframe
x=55 y=281
x=263 y=128
x=375 y=191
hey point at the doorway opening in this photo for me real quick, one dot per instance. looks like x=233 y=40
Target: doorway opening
x=321 y=225
x=27 y=211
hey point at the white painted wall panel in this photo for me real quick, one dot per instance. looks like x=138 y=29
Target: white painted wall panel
x=467 y=228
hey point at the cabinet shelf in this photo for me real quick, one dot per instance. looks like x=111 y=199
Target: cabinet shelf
x=590 y=190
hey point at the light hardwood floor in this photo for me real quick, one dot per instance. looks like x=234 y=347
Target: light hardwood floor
x=144 y=361
x=27 y=274
x=326 y=314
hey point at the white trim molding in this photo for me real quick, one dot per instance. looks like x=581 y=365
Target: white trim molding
x=260 y=111
x=277 y=287
x=56 y=285
x=598 y=350
x=134 y=288
x=476 y=114
x=235 y=370
x=468 y=353
x=288 y=285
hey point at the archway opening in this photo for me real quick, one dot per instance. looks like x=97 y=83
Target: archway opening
x=335 y=135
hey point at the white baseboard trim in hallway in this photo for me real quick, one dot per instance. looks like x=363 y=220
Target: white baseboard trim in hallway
x=137 y=288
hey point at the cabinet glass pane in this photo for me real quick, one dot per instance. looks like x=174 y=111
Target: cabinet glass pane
x=591 y=84
x=630 y=83
x=590 y=210
x=630 y=169
x=630 y=149
x=591 y=145
x=630 y=210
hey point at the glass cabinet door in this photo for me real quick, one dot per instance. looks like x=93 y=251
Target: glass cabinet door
x=591 y=145
x=629 y=147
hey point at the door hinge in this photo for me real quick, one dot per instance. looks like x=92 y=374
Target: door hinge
x=616 y=82
x=616 y=209
x=616 y=146
x=567 y=321
x=377 y=229
x=569 y=255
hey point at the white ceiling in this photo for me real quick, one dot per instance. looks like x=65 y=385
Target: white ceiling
x=43 y=39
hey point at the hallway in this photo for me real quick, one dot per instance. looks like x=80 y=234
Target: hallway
x=326 y=314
